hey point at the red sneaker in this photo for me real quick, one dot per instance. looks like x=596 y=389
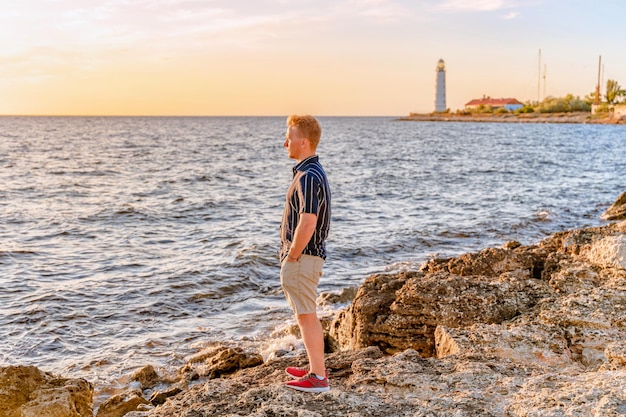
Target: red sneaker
x=309 y=383
x=297 y=373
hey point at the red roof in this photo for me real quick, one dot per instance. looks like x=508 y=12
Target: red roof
x=493 y=102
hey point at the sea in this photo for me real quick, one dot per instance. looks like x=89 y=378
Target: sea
x=127 y=241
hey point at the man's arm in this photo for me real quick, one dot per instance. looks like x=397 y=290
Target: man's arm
x=302 y=235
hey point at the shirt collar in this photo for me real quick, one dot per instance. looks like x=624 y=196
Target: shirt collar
x=300 y=166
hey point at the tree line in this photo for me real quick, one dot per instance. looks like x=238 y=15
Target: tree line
x=614 y=94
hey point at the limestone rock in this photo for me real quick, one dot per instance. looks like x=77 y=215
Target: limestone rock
x=345 y=296
x=530 y=345
x=514 y=331
x=617 y=211
x=159 y=397
x=224 y=360
x=25 y=391
x=616 y=353
x=121 y=404
x=586 y=394
x=609 y=252
x=146 y=376
x=354 y=327
x=423 y=302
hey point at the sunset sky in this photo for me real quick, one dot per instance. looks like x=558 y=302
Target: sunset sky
x=276 y=57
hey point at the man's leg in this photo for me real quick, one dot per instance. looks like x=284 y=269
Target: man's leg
x=313 y=338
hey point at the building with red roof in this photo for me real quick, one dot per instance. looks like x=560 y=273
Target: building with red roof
x=510 y=104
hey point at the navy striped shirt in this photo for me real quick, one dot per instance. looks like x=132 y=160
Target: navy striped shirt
x=308 y=193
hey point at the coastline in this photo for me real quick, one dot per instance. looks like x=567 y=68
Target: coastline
x=514 y=330
x=573 y=117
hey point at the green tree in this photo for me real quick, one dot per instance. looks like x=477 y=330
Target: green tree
x=569 y=103
x=590 y=98
x=614 y=92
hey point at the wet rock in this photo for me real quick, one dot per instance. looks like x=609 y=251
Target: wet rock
x=26 y=391
x=159 y=397
x=345 y=296
x=512 y=244
x=121 y=404
x=146 y=376
x=617 y=211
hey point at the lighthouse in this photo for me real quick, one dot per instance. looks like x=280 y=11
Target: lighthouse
x=440 y=87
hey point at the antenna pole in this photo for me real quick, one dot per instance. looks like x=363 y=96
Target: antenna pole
x=545 y=69
x=539 y=78
x=598 y=85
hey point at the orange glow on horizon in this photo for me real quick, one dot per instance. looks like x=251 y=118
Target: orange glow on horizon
x=346 y=57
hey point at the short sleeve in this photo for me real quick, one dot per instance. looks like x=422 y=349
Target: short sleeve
x=309 y=198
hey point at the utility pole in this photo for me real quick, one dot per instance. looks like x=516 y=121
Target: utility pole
x=597 y=102
x=545 y=69
x=539 y=78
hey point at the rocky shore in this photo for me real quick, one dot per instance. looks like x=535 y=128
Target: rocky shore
x=537 y=330
x=571 y=117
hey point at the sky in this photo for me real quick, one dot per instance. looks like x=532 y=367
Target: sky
x=278 y=57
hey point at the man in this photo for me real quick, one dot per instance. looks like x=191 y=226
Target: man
x=303 y=233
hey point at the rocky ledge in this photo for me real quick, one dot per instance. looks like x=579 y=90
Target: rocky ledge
x=519 y=330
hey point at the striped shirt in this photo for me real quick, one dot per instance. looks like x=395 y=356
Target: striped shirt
x=308 y=193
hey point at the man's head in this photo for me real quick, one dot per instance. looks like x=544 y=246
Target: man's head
x=303 y=135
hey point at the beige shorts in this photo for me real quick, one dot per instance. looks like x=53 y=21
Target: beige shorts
x=299 y=281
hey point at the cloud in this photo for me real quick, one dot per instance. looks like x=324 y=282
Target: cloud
x=474 y=5
x=510 y=15
x=380 y=11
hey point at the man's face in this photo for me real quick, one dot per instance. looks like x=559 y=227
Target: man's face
x=293 y=143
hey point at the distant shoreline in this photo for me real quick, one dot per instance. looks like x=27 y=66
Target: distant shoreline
x=572 y=117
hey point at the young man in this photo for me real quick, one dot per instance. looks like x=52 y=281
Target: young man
x=303 y=233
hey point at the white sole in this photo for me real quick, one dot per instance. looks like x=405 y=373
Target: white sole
x=321 y=389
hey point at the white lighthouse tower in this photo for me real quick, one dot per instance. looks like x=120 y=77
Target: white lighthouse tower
x=440 y=92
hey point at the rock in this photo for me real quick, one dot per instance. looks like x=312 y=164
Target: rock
x=423 y=302
x=586 y=394
x=121 y=404
x=353 y=327
x=25 y=391
x=224 y=360
x=616 y=354
x=530 y=345
x=345 y=296
x=513 y=331
x=617 y=211
x=512 y=244
x=159 y=397
x=489 y=262
x=147 y=376
x=609 y=252
x=259 y=391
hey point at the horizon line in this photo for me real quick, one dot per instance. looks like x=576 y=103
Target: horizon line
x=188 y=115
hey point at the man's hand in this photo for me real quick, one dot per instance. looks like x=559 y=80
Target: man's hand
x=302 y=235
